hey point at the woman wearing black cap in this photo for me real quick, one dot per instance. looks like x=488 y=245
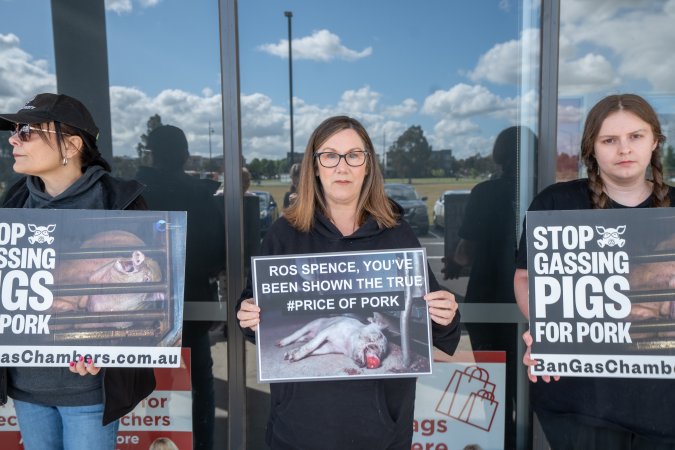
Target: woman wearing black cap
x=54 y=146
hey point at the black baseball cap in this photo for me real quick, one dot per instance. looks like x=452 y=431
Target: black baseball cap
x=52 y=108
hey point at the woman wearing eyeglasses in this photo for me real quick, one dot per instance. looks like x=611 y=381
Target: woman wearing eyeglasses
x=78 y=407
x=341 y=206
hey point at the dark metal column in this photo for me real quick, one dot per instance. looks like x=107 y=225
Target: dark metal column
x=546 y=159
x=236 y=368
x=548 y=122
x=289 y=15
x=81 y=58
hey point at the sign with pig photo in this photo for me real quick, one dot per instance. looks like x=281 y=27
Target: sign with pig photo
x=602 y=292
x=105 y=285
x=342 y=315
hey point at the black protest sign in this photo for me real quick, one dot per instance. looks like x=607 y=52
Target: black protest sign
x=105 y=285
x=602 y=292
x=342 y=315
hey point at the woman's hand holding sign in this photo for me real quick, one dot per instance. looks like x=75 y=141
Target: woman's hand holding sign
x=84 y=367
x=529 y=362
x=442 y=307
x=249 y=314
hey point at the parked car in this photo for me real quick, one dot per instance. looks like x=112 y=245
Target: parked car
x=269 y=211
x=439 y=207
x=415 y=210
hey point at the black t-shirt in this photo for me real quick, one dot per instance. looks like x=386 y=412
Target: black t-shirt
x=644 y=406
x=489 y=223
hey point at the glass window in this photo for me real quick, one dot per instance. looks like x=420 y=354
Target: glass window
x=601 y=54
x=166 y=109
x=449 y=95
x=610 y=48
x=26 y=67
x=163 y=69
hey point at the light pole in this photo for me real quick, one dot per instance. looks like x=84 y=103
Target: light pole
x=289 y=15
x=210 y=131
x=384 y=152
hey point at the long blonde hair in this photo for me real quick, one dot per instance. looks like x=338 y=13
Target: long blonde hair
x=372 y=199
x=596 y=116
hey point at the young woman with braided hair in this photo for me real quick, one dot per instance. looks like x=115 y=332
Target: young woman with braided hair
x=621 y=148
x=625 y=105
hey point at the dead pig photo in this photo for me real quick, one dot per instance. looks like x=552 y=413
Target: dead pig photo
x=654 y=276
x=136 y=268
x=365 y=344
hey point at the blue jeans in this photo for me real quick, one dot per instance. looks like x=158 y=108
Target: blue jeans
x=64 y=427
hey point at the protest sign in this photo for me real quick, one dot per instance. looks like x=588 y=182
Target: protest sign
x=106 y=285
x=601 y=292
x=462 y=403
x=342 y=315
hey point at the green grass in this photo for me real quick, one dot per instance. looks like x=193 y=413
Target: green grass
x=431 y=188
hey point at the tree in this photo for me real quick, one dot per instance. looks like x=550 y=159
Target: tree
x=409 y=155
x=256 y=168
x=669 y=161
x=141 y=148
x=6 y=162
x=125 y=167
x=270 y=168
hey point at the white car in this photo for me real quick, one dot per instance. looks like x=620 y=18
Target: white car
x=439 y=206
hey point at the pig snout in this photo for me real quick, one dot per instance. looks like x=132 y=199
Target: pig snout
x=372 y=362
x=130 y=265
x=372 y=356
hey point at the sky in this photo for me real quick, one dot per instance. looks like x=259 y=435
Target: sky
x=461 y=70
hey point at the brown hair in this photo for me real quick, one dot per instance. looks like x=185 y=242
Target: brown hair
x=372 y=200
x=596 y=116
x=89 y=153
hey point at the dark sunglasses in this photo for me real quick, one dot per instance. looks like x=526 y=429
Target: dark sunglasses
x=23 y=131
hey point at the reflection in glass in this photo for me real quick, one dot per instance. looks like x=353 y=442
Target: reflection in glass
x=169 y=188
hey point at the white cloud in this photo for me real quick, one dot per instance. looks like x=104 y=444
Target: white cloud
x=362 y=100
x=464 y=146
x=265 y=125
x=502 y=64
x=634 y=35
x=459 y=110
x=131 y=108
x=570 y=114
x=447 y=128
x=586 y=74
x=21 y=75
x=322 y=45
x=118 y=6
x=463 y=100
x=406 y=108
x=126 y=6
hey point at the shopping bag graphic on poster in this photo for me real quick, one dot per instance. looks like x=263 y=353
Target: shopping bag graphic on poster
x=469 y=398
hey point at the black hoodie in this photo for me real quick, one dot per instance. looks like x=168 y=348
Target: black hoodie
x=122 y=388
x=354 y=414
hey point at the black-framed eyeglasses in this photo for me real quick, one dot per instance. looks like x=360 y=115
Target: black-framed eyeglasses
x=329 y=160
x=23 y=131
